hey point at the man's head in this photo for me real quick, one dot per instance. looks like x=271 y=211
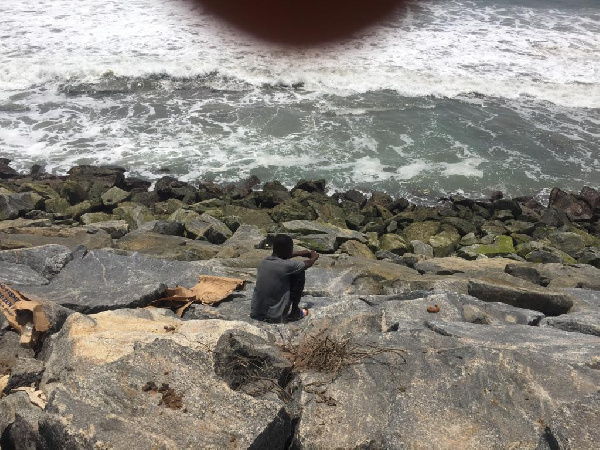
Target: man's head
x=283 y=246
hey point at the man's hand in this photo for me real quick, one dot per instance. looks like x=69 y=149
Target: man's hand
x=311 y=259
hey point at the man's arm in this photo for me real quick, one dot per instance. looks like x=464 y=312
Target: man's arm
x=312 y=257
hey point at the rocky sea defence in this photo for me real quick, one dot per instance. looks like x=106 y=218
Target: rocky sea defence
x=470 y=323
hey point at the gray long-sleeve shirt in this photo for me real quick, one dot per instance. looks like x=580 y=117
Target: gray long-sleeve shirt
x=272 y=292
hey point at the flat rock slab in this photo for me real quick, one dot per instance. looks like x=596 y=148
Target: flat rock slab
x=69 y=237
x=580 y=322
x=452 y=264
x=109 y=371
x=14 y=274
x=167 y=246
x=520 y=293
x=555 y=275
x=46 y=260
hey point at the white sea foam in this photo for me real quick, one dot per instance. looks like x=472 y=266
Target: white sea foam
x=438 y=48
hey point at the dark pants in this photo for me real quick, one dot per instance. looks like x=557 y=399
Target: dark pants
x=296 y=289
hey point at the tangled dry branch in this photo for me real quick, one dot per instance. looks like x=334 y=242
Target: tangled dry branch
x=324 y=354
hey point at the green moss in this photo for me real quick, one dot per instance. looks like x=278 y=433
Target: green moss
x=503 y=245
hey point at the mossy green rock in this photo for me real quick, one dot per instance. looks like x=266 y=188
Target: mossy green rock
x=524 y=249
x=41 y=189
x=444 y=243
x=134 y=214
x=114 y=196
x=502 y=246
x=421 y=231
x=329 y=213
x=57 y=205
x=73 y=191
x=355 y=248
x=78 y=210
x=494 y=227
x=549 y=255
x=322 y=243
x=588 y=239
x=394 y=243
x=169 y=206
x=568 y=242
x=292 y=210
x=257 y=217
x=519 y=238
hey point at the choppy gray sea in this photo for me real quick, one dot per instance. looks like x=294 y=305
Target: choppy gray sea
x=443 y=97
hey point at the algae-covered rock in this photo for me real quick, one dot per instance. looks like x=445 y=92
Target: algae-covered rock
x=255 y=217
x=273 y=193
x=502 y=246
x=549 y=255
x=463 y=226
x=355 y=248
x=316 y=227
x=292 y=210
x=171 y=205
x=421 y=231
x=57 y=205
x=135 y=214
x=78 y=210
x=73 y=191
x=202 y=226
x=114 y=196
x=394 y=243
x=44 y=190
x=444 y=243
x=568 y=242
x=590 y=256
x=322 y=243
x=329 y=213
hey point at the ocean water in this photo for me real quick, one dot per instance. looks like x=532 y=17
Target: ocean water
x=456 y=96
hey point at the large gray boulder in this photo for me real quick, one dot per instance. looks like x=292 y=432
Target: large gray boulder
x=145 y=377
x=460 y=385
x=99 y=280
x=12 y=205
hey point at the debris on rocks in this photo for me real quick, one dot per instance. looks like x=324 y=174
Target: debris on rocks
x=24 y=315
x=433 y=309
x=170 y=398
x=210 y=290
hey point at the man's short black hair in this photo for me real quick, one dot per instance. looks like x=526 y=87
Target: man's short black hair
x=283 y=246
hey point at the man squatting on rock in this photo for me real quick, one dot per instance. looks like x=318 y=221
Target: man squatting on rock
x=280 y=283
